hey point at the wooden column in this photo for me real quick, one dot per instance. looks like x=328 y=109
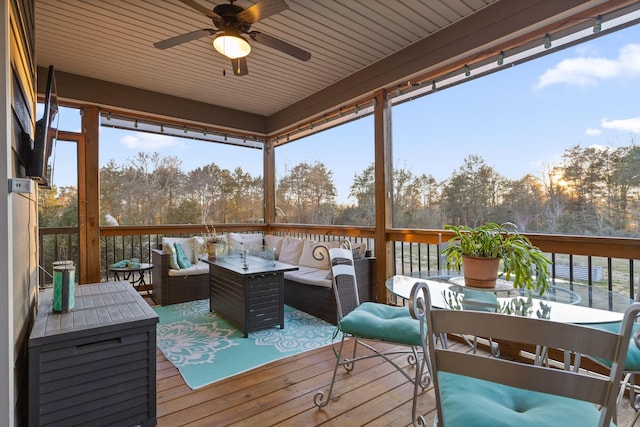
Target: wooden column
x=269 y=182
x=383 y=191
x=89 y=196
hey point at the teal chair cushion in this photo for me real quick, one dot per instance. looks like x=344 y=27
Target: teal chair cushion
x=473 y=402
x=633 y=353
x=382 y=322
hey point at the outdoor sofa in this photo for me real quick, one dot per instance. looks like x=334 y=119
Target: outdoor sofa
x=308 y=289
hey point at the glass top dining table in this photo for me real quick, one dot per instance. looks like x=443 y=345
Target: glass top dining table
x=563 y=302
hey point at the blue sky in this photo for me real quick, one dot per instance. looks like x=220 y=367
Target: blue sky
x=519 y=120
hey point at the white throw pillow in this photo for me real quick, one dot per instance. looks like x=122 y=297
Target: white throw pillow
x=169 y=249
x=291 y=250
x=307 y=259
x=274 y=242
x=199 y=248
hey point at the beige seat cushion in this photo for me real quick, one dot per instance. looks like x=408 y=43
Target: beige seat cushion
x=309 y=276
x=198 y=268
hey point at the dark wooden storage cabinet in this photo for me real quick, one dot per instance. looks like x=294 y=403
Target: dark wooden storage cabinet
x=95 y=365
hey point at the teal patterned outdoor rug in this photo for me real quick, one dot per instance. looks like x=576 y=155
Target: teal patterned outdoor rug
x=206 y=348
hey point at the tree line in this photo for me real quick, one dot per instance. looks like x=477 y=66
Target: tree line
x=593 y=191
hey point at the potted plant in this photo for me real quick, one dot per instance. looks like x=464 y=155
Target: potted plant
x=493 y=243
x=216 y=244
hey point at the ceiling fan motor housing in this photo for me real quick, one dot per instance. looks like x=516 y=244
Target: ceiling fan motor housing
x=229 y=14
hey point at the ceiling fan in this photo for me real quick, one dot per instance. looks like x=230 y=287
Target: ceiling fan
x=231 y=22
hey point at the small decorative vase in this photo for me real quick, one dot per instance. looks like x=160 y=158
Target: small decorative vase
x=211 y=250
x=480 y=272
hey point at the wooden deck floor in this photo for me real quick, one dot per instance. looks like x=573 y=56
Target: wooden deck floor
x=281 y=393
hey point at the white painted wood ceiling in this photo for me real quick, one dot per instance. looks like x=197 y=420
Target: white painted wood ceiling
x=112 y=40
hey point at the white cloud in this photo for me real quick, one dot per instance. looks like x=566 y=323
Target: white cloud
x=150 y=141
x=628 y=125
x=588 y=71
x=593 y=132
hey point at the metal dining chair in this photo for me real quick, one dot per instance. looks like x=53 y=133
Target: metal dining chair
x=373 y=322
x=631 y=366
x=480 y=390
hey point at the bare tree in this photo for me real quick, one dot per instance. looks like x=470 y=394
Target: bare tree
x=307 y=194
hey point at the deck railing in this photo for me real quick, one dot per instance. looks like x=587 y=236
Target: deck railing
x=605 y=262
x=56 y=244
x=597 y=261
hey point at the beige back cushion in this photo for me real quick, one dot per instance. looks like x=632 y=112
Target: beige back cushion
x=358 y=250
x=274 y=242
x=290 y=250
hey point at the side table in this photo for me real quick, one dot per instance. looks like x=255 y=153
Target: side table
x=130 y=273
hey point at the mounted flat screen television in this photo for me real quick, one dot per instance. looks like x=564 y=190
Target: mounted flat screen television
x=41 y=158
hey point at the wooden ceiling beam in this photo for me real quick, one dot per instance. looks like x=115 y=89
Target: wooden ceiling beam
x=82 y=89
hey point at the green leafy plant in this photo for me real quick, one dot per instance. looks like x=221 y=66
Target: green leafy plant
x=521 y=260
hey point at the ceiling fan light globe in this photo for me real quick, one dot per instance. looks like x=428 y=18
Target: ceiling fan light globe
x=231 y=46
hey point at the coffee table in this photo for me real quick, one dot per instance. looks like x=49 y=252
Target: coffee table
x=250 y=298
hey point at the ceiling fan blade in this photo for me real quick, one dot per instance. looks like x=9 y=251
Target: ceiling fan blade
x=200 y=8
x=280 y=45
x=183 y=38
x=261 y=10
x=239 y=66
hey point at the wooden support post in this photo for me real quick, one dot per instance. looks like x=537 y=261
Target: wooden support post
x=383 y=192
x=269 y=205
x=89 y=196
